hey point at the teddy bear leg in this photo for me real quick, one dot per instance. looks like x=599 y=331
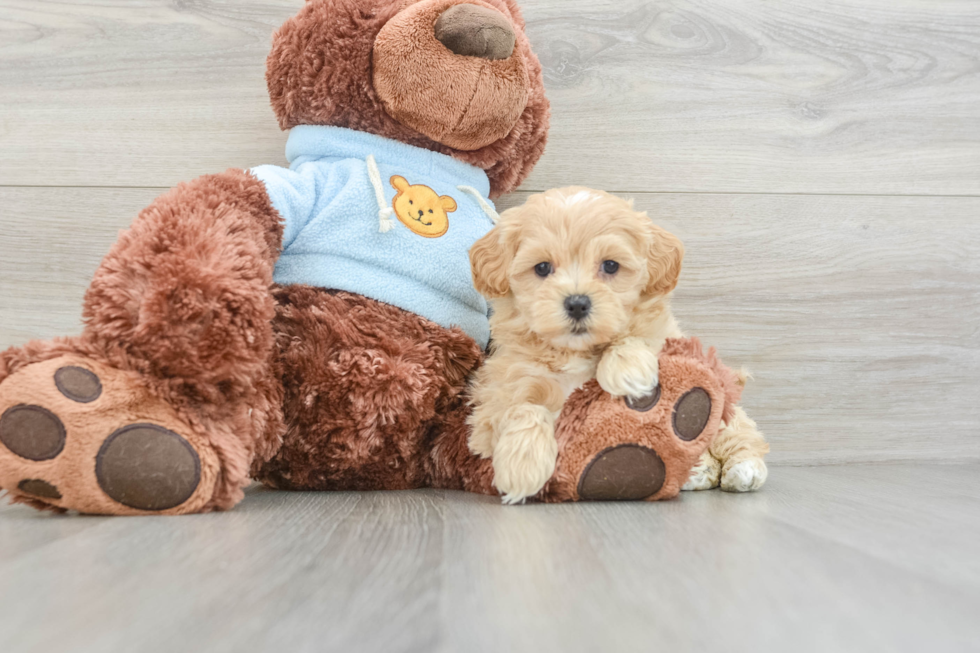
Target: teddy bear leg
x=172 y=390
x=366 y=386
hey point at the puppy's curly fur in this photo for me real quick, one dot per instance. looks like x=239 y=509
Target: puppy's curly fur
x=577 y=242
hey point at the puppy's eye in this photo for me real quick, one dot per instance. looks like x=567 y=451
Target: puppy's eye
x=610 y=267
x=411 y=202
x=430 y=210
x=543 y=269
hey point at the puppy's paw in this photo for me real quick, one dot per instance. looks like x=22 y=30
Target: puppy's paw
x=706 y=475
x=744 y=475
x=480 y=441
x=525 y=453
x=629 y=369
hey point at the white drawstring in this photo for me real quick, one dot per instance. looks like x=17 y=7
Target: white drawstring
x=493 y=215
x=385 y=223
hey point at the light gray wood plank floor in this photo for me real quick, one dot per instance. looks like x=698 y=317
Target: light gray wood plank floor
x=835 y=558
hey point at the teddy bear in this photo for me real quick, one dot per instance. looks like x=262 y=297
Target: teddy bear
x=313 y=327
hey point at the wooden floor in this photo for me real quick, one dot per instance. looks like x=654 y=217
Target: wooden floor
x=837 y=558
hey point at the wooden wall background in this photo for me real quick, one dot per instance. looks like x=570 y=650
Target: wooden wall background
x=821 y=161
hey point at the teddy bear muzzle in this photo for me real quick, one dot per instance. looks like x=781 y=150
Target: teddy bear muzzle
x=456 y=72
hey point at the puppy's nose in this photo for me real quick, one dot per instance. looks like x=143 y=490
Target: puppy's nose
x=475 y=31
x=578 y=306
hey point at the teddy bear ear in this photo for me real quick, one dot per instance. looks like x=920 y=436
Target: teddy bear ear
x=399 y=183
x=448 y=203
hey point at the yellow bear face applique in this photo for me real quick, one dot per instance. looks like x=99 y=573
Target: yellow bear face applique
x=421 y=209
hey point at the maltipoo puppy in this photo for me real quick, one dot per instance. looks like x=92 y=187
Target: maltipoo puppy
x=580 y=285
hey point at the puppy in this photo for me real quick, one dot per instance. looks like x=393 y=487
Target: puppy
x=579 y=284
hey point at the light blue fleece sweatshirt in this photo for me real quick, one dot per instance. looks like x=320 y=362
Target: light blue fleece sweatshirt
x=334 y=220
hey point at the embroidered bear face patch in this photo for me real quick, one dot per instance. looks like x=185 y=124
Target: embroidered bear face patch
x=421 y=209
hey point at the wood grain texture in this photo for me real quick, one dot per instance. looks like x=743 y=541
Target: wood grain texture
x=853 y=558
x=857 y=315
x=51 y=242
x=855 y=96
x=840 y=96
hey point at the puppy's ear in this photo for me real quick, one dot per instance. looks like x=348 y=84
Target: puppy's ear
x=489 y=260
x=664 y=258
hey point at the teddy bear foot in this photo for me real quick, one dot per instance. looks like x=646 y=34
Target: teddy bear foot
x=77 y=434
x=616 y=449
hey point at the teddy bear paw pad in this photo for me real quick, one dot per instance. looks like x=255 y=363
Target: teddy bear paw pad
x=32 y=432
x=38 y=488
x=627 y=472
x=77 y=434
x=147 y=467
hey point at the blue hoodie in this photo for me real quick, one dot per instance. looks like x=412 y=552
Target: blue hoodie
x=401 y=236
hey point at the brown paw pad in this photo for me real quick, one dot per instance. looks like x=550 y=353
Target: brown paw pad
x=691 y=414
x=38 y=488
x=78 y=384
x=147 y=467
x=627 y=472
x=32 y=432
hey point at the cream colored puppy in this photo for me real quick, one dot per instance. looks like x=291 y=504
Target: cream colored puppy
x=579 y=283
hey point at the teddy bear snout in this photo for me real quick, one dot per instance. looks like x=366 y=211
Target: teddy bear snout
x=453 y=71
x=475 y=31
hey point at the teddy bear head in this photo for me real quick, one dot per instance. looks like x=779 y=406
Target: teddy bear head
x=454 y=76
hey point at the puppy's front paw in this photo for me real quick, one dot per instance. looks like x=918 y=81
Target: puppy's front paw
x=525 y=453
x=628 y=370
x=744 y=475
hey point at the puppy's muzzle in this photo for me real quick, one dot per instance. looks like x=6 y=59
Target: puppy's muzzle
x=578 y=307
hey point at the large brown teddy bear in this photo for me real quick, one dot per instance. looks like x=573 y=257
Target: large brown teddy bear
x=314 y=327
